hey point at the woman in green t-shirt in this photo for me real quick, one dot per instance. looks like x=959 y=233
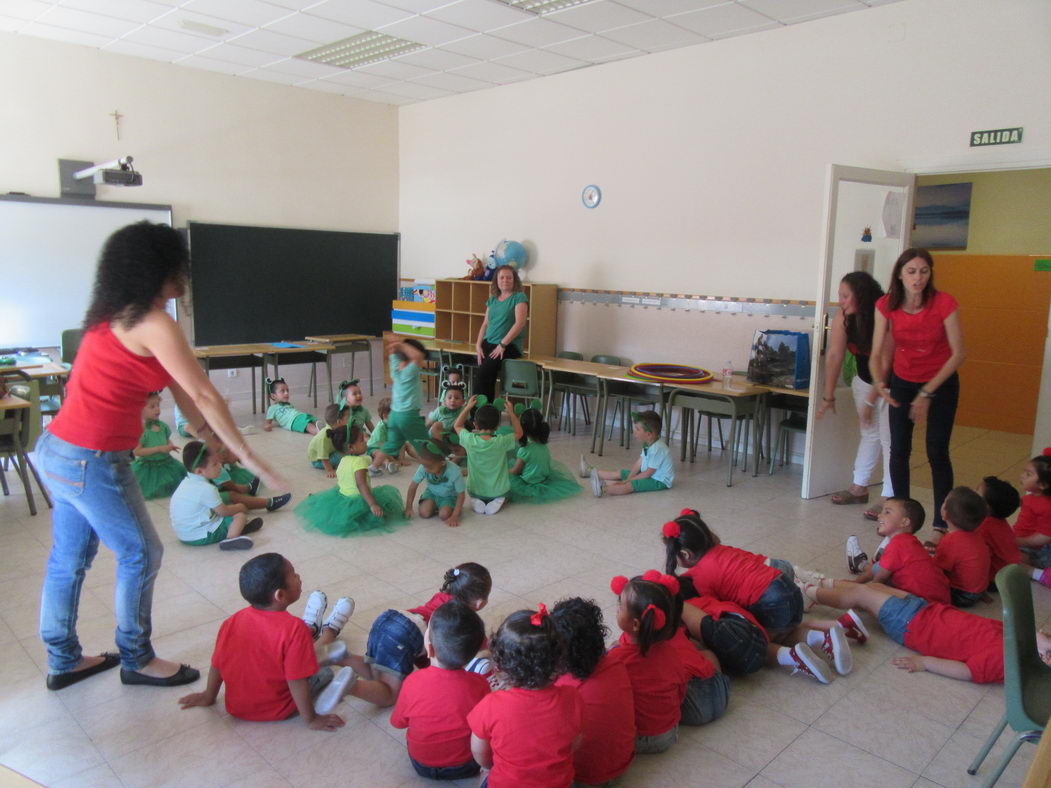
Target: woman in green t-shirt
x=500 y=336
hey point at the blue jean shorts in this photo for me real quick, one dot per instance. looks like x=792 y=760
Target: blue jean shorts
x=394 y=642
x=738 y=643
x=897 y=612
x=1041 y=556
x=781 y=606
x=706 y=699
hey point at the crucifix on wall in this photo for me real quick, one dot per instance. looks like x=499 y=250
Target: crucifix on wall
x=116 y=121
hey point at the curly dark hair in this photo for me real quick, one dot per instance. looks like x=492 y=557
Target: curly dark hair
x=528 y=655
x=859 y=326
x=579 y=621
x=136 y=263
x=1001 y=497
x=468 y=582
x=344 y=437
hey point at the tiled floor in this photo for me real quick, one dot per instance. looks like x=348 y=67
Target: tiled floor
x=878 y=727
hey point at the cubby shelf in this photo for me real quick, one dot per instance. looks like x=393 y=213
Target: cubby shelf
x=460 y=311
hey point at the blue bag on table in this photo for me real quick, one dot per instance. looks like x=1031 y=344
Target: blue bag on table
x=781 y=359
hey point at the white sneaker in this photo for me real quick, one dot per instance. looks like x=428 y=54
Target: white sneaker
x=809 y=664
x=314 y=612
x=374 y=471
x=857 y=559
x=585 y=467
x=478 y=505
x=392 y=467
x=340 y=614
x=334 y=652
x=808 y=576
x=332 y=694
x=879 y=550
x=483 y=666
x=494 y=505
x=837 y=648
x=596 y=484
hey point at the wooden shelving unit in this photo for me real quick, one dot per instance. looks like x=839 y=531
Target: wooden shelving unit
x=460 y=310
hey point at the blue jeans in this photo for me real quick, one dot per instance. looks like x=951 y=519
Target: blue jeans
x=469 y=769
x=394 y=641
x=781 y=605
x=96 y=497
x=896 y=613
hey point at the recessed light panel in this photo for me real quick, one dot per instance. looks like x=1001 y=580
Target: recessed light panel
x=359 y=50
x=541 y=7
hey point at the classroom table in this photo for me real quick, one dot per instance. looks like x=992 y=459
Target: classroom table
x=231 y=357
x=300 y=352
x=15 y=429
x=346 y=343
x=23 y=363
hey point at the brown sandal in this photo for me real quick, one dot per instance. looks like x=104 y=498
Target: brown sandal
x=846 y=497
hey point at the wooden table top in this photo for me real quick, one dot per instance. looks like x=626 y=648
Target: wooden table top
x=789 y=392
x=257 y=348
x=11 y=402
x=48 y=370
x=622 y=375
x=339 y=338
x=20 y=365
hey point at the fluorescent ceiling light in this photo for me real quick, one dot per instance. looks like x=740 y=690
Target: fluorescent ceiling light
x=541 y=7
x=368 y=47
x=200 y=27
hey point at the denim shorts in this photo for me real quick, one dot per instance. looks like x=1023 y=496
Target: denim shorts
x=652 y=745
x=896 y=613
x=1041 y=556
x=706 y=699
x=738 y=643
x=394 y=642
x=781 y=606
x=464 y=770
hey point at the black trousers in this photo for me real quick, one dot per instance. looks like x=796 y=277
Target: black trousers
x=489 y=369
x=940 y=418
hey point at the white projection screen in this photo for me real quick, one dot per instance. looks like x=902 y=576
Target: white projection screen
x=49 y=249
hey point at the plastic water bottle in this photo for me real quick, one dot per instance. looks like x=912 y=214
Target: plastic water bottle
x=728 y=375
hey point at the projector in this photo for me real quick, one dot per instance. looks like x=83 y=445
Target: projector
x=118 y=178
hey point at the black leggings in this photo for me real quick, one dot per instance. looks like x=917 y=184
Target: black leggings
x=489 y=369
x=940 y=417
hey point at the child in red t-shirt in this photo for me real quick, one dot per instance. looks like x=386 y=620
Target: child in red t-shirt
x=766 y=589
x=672 y=680
x=267 y=657
x=1033 y=527
x=1003 y=500
x=962 y=553
x=951 y=642
x=526 y=734
x=434 y=702
x=608 y=744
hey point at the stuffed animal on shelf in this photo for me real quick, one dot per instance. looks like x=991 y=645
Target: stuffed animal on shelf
x=490 y=267
x=477 y=268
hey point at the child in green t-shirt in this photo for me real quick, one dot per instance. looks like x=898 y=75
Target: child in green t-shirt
x=320 y=451
x=284 y=413
x=440 y=421
x=445 y=493
x=488 y=481
x=535 y=477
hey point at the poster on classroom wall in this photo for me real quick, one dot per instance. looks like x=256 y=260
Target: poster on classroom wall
x=942 y=216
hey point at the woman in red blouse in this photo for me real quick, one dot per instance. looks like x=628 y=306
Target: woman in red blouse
x=922 y=385
x=131 y=347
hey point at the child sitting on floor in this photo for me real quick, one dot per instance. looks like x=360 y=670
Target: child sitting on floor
x=240 y=485
x=353 y=506
x=265 y=656
x=379 y=461
x=157 y=471
x=351 y=399
x=434 y=702
x=441 y=420
x=1003 y=500
x=487 y=479
x=445 y=491
x=198 y=514
x=608 y=744
x=1032 y=529
x=320 y=451
x=962 y=553
x=651 y=472
x=535 y=477
x=284 y=413
x=526 y=733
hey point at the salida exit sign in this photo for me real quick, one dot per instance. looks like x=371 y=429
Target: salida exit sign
x=996 y=137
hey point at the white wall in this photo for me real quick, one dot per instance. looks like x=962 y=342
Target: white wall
x=712 y=159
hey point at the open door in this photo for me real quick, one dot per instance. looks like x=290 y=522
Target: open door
x=859 y=200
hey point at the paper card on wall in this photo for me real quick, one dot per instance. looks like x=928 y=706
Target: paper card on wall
x=892 y=210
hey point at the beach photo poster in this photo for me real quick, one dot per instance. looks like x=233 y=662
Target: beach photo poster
x=942 y=216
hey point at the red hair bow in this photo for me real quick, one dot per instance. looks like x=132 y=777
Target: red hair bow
x=616 y=585
x=668 y=581
x=671 y=530
x=1047 y=452
x=538 y=617
x=659 y=619
x=688 y=513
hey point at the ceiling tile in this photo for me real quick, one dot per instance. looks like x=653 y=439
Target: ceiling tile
x=494 y=72
x=537 y=33
x=417 y=6
x=438 y=59
x=135 y=10
x=328 y=87
x=314 y=28
x=392 y=69
x=790 y=11
x=63 y=34
x=480 y=15
x=426 y=31
x=722 y=21
x=592 y=48
x=413 y=90
x=176 y=18
x=484 y=47
x=251 y=13
x=218 y=66
x=359 y=13
x=598 y=16
x=24 y=9
x=125 y=47
x=84 y=22
x=169 y=39
x=272 y=76
x=304 y=68
x=8 y=24
x=454 y=82
x=357 y=80
x=653 y=36
x=275 y=43
x=542 y=61
x=242 y=56
x=662 y=8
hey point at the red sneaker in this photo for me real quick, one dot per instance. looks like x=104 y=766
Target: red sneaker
x=851 y=623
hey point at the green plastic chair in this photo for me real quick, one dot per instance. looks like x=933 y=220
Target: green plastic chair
x=574 y=389
x=71 y=344
x=792 y=423
x=521 y=379
x=18 y=439
x=1027 y=680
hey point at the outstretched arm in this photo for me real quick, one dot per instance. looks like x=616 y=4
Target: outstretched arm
x=942 y=667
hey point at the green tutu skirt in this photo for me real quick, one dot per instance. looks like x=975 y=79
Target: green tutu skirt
x=558 y=486
x=158 y=478
x=239 y=475
x=336 y=514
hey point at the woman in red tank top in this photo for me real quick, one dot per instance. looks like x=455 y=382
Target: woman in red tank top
x=131 y=346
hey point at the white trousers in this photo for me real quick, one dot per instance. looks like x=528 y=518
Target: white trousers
x=874 y=437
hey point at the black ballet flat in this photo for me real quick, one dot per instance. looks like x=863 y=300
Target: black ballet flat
x=57 y=681
x=185 y=675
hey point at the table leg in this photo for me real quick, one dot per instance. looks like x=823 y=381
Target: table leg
x=20 y=459
x=328 y=371
x=251 y=374
x=598 y=429
x=372 y=383
x=733 y=442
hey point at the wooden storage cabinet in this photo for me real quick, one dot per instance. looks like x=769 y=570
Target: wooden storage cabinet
x=460 y=311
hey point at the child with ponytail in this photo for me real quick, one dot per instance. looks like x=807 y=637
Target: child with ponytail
x=526 y=734
x=763 y=587
x=672 y=680
x=535 y=477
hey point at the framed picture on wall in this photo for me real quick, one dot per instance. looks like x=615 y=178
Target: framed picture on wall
x=942 y=216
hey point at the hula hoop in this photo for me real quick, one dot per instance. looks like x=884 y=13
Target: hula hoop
x=670 y=373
